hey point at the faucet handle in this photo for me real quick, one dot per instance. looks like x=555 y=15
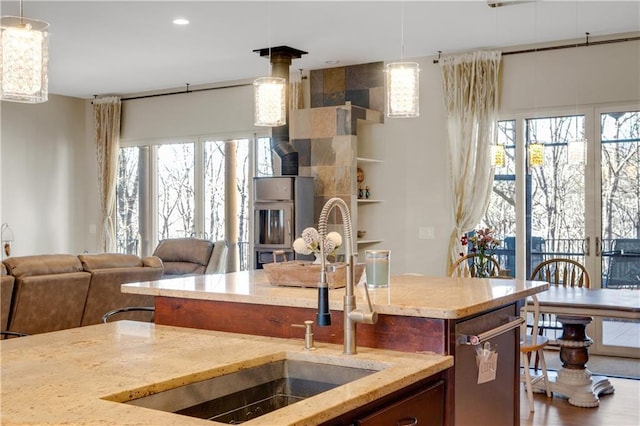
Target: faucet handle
x=308 y=335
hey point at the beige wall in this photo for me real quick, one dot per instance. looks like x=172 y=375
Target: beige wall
x=48 y=165
x=46 y=193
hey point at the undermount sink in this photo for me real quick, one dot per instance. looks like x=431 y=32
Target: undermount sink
x=246 y=394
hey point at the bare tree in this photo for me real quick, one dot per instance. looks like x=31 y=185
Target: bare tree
x=175 y=190
x=621 y=175
x=214 y=189
x=127 y=200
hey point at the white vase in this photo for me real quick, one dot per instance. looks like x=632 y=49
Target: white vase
x=318 y=260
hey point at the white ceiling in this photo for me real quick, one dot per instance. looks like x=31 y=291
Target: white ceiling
x=124 y=47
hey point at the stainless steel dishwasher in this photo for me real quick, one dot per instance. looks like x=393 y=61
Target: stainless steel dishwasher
x=495 y=402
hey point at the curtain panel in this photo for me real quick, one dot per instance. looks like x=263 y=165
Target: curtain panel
x=471 y=102
x=106 y=113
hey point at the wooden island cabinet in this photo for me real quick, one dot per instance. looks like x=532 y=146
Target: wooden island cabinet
x=422 y=404
x=416 y=314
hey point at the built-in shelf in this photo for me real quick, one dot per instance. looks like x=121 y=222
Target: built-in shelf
x=367 y=160
x=368 y=241
x=372 y=175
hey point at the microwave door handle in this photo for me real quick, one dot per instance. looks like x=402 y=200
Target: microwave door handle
x=289 y=227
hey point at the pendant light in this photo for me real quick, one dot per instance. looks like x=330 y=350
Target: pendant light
x=497 y=155
x=536 y=154
x=271 y=92
x=576 y=152
x=24 y=56
x=403 y=84
x=577 y=148
x=270 y=95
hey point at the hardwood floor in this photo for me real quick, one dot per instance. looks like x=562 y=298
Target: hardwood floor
x=622 y=408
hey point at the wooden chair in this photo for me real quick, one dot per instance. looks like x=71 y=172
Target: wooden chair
x=529 y=344
x=465 y=267
x=561 y=272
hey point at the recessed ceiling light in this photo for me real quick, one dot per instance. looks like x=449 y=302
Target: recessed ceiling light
x=332 y=62
x=181 y=21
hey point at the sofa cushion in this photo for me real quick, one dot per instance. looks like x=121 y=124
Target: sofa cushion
x=152 y=262
x=91 y=262
x=44 y=264
x=43 y=303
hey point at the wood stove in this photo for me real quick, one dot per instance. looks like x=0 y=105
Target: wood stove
x=282 y=208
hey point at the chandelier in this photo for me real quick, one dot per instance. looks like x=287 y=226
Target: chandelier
x=24 y=57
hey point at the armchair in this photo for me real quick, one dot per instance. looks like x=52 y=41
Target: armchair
x=191 y=256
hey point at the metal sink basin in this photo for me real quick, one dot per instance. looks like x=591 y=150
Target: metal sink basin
x=246 y=394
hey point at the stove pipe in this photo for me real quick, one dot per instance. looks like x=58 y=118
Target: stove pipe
x=280 y=58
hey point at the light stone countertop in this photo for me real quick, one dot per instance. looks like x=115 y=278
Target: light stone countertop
x=407 y=295
x=63 y=377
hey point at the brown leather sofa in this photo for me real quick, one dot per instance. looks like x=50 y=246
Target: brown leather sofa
x=58 y=291
x=6 y=292
x=48 y=294
x=108 y=272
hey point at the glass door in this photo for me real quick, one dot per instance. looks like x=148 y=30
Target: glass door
x=619 y=215
x=555 y=187
x=569 y=187
x=620 y=183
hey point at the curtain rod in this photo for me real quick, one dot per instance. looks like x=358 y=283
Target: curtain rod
x=564 y=46
x=185 y=91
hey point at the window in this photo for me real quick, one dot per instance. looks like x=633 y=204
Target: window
x=175 y=187
x=128 y=199
x=179 y=189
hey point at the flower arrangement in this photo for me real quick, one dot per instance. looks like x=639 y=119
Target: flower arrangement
x=309 y=242
x=484 y=244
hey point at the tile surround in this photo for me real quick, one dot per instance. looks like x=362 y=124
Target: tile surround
x=326 y=134
x=327 y=143
x=362 y=85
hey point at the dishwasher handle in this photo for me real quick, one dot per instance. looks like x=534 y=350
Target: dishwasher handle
x=474 y=340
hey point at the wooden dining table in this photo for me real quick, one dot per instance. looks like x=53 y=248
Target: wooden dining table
x=574 y=309
x=604 y=302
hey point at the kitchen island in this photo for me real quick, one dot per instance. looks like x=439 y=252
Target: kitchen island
x=415 y=314
x=85 y=376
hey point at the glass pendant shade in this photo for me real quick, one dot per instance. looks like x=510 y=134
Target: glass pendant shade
x=403 y=89
x=576 y=151
x=24 y=59
x=270 y=101
x=497 y=155
x=536 y=154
